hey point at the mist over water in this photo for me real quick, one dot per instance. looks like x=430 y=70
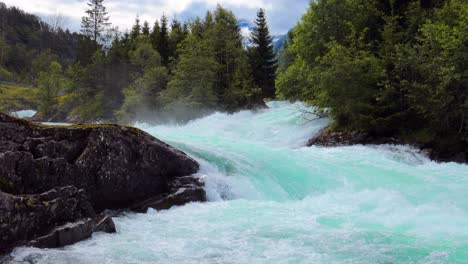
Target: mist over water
x=272 y=200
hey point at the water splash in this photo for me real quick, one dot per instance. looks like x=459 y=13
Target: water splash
x=275 y=201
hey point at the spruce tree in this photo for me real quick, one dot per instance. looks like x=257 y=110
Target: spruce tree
x=262 y=56
x=163 y=43
x=191 y=90
x=136 y=29
x=146 y=29
x=176 y=36
x=96 y=24
x=155 y=34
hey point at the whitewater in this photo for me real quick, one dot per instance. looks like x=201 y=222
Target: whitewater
x=273 y=200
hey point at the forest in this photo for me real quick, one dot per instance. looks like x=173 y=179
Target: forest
x=166 y=70
x=398 y=69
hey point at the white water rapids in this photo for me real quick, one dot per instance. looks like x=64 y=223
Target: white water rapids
x=272 y=200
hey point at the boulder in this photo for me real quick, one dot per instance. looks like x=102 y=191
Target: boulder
x=183 y=191
x=346 y=138
x=118 y=166
x=71 y=233
x=27 y=217
x=55 y=180
x=438 y=151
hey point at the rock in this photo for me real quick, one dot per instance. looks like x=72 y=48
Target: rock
x=65 y=235
x=457 y=152
x=118 y=166
x=327 y=138
x=105 y=225
x=74 y=119
x=54 y=180
x=71 y=233
x=183 y=191
x=37 y=117
x=26 y=217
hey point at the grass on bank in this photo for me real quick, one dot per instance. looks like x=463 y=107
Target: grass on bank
x=14 y=97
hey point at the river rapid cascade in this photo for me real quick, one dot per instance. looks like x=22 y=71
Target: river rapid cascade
x=272 y=200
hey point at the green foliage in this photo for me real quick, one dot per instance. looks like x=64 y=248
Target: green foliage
x=24 y=37
x=440 y=95
x=5 y=74
x=89 y=84
x=146 y=73
x=162 y=44
x=18 y=97
x=141 y=97
x=345 y=83
x=397 y=68
x=50 y=84
x=144 y=56
x=191 y=90
x=43 y=62
x=262 y=57
x=212 y=69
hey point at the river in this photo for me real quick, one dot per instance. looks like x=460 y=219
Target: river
x=272 y=200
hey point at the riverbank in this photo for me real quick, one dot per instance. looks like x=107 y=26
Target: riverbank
x=328 y=138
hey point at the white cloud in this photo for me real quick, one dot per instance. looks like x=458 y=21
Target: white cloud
x=123 y=12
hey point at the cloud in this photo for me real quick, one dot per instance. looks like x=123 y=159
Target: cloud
x=283 y=14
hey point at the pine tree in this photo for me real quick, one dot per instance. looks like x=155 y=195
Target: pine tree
x=224 y=37
x=155 y=35
x=262 y=56
x=191 y=90
x=163 y=43
x=96 y=24
x=146 y=29
x=136 y=29
x=176 y=36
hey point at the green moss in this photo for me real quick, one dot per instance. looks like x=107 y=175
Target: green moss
x=31 y=202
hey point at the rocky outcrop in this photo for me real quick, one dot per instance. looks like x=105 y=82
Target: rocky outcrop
x=345 y=138
x=184 y=190
x=63 y=175
x=117 y=166
x=30 y=216
x=71 y=233
x=437 y=152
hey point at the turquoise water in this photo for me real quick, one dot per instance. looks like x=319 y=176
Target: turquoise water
x=274 y=201
x=24 y=113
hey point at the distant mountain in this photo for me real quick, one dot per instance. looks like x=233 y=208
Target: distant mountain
x=279 y=41
x=246 y=27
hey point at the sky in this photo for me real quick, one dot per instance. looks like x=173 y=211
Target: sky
x=282 y=14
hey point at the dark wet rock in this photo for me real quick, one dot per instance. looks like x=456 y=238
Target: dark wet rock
x=345 y=138
x=437 y=152
x=117 y=166
x=104 y=224
x=65 y=235
x=71 y=233
x=54 y=180
x=26 y=217
x=184 y=190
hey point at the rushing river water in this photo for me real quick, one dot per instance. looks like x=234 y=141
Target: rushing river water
x=274 y=201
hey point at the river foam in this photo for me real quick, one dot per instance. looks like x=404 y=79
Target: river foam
x=272 y=200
